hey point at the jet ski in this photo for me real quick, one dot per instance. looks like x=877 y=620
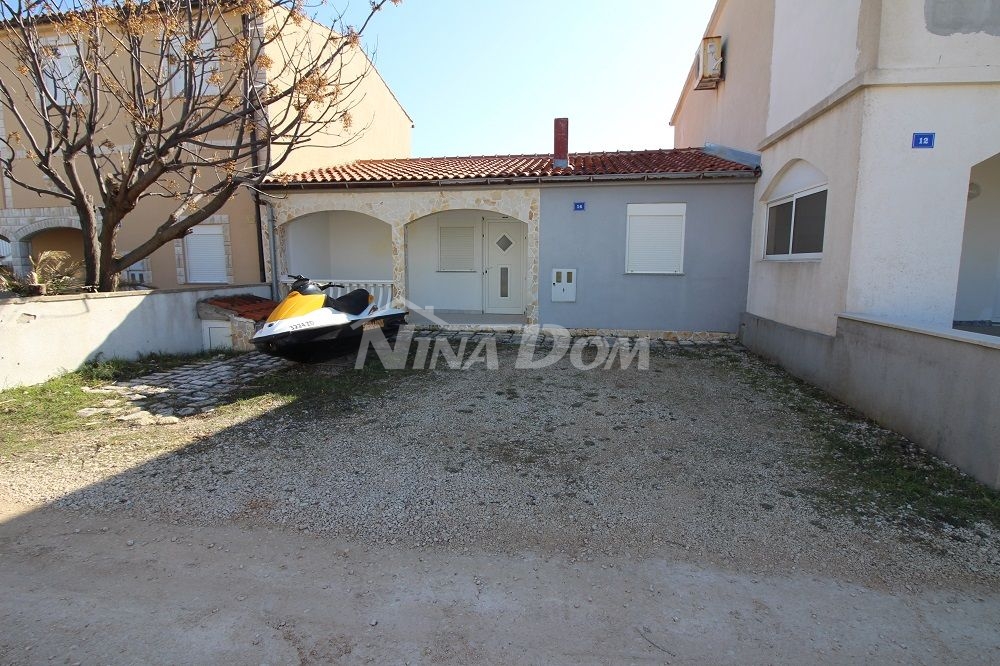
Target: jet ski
x=309 y=325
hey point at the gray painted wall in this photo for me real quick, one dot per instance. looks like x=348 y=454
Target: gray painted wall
x=709 y=296
x=941 y=392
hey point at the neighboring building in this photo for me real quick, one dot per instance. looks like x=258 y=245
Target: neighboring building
x=228 y=248
x=875 y=221
x=641 y=240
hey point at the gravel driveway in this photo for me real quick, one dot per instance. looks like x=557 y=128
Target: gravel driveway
x=694 y=493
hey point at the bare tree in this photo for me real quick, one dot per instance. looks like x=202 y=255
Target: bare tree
x=115 y=102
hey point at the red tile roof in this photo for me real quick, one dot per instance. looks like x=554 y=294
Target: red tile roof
x=625 y=165
x=246 y=306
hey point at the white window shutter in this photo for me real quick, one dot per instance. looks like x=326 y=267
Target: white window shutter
x=655 y=238
x=457 y=248
x=209 y=64
x=205 y=255
x=62 y=72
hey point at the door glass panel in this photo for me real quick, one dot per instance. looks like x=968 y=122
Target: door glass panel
x=504 y=243
x=504 y=278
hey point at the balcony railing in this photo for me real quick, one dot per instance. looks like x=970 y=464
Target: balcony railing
x=380 y=289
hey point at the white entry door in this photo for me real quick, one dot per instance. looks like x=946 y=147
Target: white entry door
x=504 y=271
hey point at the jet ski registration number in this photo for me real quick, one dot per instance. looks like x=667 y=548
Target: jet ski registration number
x=370 y=325
x=295 y=327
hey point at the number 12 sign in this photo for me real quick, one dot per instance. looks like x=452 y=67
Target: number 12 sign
x=923 y=140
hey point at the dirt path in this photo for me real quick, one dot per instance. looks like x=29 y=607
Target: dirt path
x=76 y=592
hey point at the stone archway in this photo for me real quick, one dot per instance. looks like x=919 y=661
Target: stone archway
x=399 y=208
x=20 y=238
x=467 y=261
x=336 y=244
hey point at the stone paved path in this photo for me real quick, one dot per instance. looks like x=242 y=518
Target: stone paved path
x=163 y=397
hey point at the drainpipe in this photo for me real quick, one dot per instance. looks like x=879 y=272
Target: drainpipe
x=260 y=236
x=272 y=234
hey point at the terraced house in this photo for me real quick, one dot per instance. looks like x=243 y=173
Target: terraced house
x=228 y=247
x=653 y=240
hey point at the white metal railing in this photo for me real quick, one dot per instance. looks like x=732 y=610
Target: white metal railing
x=380 y=289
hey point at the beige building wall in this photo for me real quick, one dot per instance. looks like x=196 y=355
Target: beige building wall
x=381 y=129
x=66 y=240
x=734 y=114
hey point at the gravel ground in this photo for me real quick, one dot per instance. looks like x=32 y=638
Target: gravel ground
x=675 y=515
x=683 y=458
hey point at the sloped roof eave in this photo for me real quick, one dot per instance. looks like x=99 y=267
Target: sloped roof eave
x=512 y=181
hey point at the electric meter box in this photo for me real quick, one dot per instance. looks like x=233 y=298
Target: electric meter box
x=563 y=285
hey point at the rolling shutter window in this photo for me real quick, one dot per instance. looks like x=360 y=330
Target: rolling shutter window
x=655 y=238
x=209 y=64
x=4 y=248
x=457 y=248
x=61 y=71
x=205 y=254
x=206 y=63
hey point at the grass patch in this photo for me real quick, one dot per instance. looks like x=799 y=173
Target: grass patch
x=35 y=413
x=867 y=469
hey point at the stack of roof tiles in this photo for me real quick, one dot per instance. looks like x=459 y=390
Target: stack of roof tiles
x=247 y=306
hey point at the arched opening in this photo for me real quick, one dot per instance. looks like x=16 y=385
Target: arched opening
x=342 y=245
x=977 y=300
x=796 y=212
x=468 y=262
x=345 y=247
x=60 y=238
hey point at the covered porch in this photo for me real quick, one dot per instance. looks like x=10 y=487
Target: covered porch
x=453 y=258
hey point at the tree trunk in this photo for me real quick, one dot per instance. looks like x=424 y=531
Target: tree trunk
x=108 y=268
x=91 y=245
x=108 y=279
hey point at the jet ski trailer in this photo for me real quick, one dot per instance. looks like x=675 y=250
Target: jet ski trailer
x=309 y=325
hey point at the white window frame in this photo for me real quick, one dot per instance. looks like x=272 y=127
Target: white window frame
x=208 y=66
x=655 y=209
x=793 y=197
x=67 y=81
x=441 y=228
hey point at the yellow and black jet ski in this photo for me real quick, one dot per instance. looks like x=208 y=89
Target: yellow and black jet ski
x=309 y=325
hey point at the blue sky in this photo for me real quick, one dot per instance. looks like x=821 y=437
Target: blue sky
x=481 y=77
